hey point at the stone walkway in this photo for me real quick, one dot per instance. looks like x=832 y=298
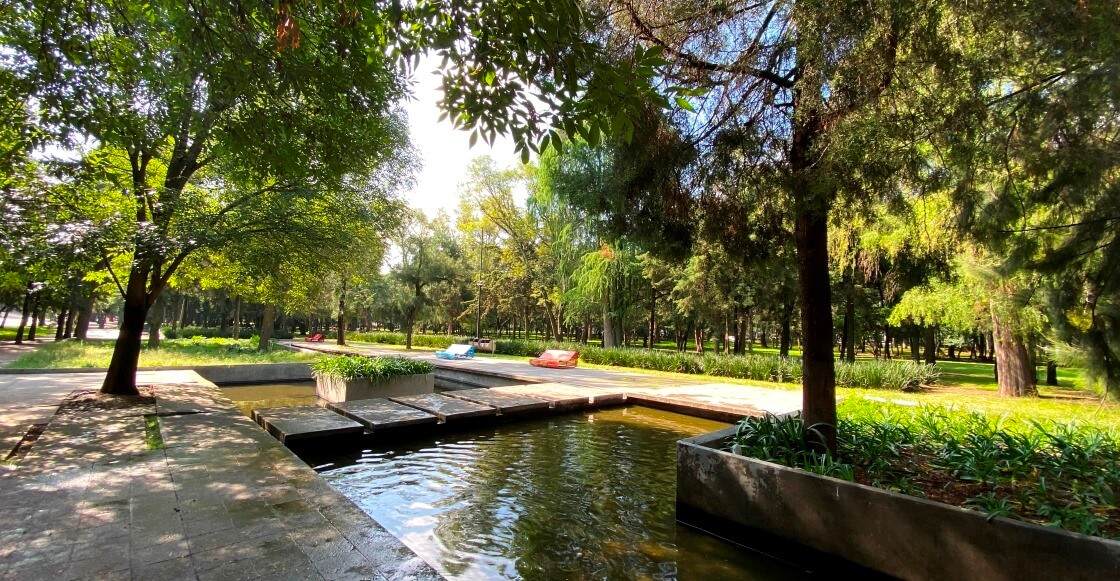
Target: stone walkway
x=221 y=500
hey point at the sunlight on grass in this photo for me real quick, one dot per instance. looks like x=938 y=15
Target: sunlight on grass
x=172 y=353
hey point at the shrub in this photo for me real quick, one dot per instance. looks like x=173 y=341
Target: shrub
x=216 y=332
x=875 y=374
x=1057 y=474
x=371 y=368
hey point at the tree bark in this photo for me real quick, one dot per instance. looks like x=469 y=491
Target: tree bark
x=929 y=339
x=786 y=335
x=342 y=318
x=818 y=379
x=608 y=324
x=1051 y=373
x=1015 y=374
x=121 y=377
x=267 y=321
x=236 y=332
x=60 y=326
x=155 y=324
x=81 y=329
x=69 y=330
x=35 y=324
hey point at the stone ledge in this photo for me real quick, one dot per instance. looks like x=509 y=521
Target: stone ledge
x=900 y=535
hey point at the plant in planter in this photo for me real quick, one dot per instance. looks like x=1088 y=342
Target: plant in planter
x=931 y=491
x=351 y=377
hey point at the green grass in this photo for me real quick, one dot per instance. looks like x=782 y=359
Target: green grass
x=152 y=436
x=1057 y=473
x=172 y=353
x=9 y=333
x=981 y=375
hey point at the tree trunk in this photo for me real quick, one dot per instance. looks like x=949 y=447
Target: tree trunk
x=155 y=324
x=409 y=321
x=121 y=377
x=915 y=340
x=786 y=337
x=608 y=324
x=236 y=332
x=60 y=327
x=267 y=321
x=929 y=339
x=69 y=331
x=177 y=320
x=1051 y=373
x=886 y=341
x=1015 y=374
x=818 y=378
x=342 y=318
x=35 y=324
x=81 y=329
x=700 y=339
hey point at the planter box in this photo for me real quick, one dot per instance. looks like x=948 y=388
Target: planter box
x=904 y=536
x=336 y=389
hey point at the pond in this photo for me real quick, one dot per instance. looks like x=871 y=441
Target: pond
x=268 y=395
x=584 y=495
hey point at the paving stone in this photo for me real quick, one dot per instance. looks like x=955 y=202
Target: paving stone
x=169 y=570
x=304 y=422
x=321 y=542
x=563 y=395
x=160 y=552
x=382 y=414
x=446 y=408
x=346 y=567
x=506 y=403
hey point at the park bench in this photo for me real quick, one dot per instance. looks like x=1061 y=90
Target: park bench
x=316 y=338
x=457 y=351
x=556 y=358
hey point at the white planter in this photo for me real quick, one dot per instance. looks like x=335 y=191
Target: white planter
x=336 y=389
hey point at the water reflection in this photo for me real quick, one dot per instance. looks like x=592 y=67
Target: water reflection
x=570 y=497
x=267 y=395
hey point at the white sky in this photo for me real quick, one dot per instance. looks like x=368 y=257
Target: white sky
x=445 y=151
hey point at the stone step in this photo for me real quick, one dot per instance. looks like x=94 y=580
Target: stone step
x=383 y=414
x=506 y=402
x=561 y=395
x=289 y=424
x=446 y=408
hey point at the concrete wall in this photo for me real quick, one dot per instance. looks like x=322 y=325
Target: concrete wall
x=336 y=389
x=218 y=374
x=464 y=379
x=900 y=535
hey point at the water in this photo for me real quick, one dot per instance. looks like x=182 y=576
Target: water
x=268 y=395
x=581 y=496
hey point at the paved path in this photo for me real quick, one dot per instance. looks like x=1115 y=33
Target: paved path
x=735 y=399
x=222 y=500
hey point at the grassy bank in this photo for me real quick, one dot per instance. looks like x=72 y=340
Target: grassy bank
x=9 y=333
x=172 y=352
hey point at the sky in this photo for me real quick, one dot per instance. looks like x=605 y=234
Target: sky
x=445 y=151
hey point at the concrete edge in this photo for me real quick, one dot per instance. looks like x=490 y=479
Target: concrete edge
x=927 y=539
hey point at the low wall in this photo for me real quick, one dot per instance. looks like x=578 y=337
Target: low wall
x=470 y=379
x=904 y=536
x=336 y=389
x=218 y=374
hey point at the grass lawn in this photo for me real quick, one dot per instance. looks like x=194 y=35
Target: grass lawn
x=172 y=352
x=1051 y=405
x=9 y=333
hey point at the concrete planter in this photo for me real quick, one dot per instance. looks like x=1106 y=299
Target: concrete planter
x=904 y=536
x=336 y=389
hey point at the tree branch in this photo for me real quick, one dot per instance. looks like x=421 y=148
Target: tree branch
x=109 y=267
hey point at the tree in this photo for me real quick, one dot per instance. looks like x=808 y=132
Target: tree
x=428 y=255
x=201 y=91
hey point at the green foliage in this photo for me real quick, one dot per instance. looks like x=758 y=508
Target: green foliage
x=216 y=333
x=1058 y=474
x=371 y=368
x=874 y=374
x=177 y=352
x=153 y=439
